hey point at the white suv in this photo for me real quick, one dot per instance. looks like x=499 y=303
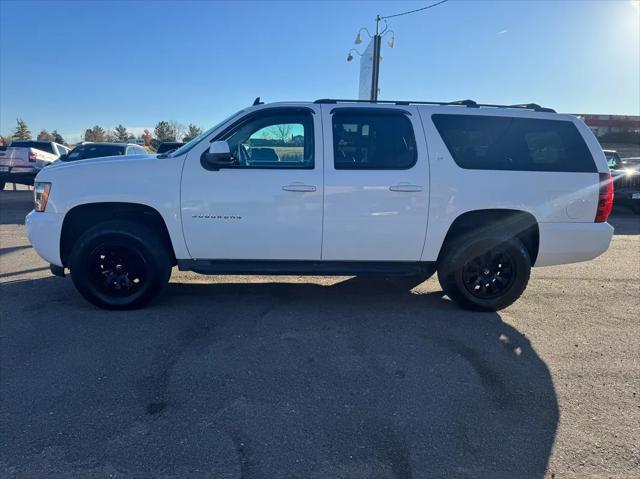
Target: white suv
x=479 y=193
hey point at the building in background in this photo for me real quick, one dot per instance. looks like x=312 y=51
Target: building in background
x=604 y=125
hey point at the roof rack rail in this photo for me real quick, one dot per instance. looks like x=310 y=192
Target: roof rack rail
x=465 y=103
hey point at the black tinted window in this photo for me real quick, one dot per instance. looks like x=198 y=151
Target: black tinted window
x=39 y=145
x=95 y=150
x=522 y=144
x=366 y=140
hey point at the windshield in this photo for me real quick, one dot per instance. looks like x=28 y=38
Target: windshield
x=187 y=146
x=94 y=150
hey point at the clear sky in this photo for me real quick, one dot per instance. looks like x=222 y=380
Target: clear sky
x=71 y=65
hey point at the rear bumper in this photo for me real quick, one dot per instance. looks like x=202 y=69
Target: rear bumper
x=21 y=175
x=43 y=231
x=562 y=243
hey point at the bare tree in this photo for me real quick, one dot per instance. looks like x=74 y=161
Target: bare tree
x=177 y=129
x=281 y=132
x=44 y=135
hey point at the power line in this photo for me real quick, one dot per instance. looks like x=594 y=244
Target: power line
x=416 y=10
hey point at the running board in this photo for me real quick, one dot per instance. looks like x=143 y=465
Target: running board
x=313 y=268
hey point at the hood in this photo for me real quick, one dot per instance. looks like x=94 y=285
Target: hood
x=101 y=160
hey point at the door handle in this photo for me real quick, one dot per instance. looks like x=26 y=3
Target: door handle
x=405 y=188
x=300 y=188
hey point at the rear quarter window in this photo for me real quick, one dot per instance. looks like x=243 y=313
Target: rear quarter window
x=519 y=144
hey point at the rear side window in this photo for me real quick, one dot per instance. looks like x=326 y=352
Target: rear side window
x=520 y=144
x=370 y=140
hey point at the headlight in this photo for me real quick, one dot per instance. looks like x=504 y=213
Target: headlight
x=41 y=195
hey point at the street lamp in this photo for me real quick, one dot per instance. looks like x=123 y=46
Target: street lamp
x=350 y=56
x=377 y=39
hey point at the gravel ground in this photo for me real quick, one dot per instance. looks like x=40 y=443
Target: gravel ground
x=262 y=377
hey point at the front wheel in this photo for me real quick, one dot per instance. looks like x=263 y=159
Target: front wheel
x=119 y=264
x=484 y=273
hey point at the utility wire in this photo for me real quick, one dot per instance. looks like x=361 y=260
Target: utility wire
x=416 y=10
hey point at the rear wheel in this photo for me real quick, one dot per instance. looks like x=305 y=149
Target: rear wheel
x=484 y=273
x=119 y=264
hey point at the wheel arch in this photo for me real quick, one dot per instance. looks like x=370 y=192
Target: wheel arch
x=82 y=217
x=521 y=224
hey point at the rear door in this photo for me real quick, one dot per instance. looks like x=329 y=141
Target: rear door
x=376 y=183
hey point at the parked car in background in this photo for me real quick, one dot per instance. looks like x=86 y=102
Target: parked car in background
x=168 y=146
x=626 y=180
x=21 y=161
x=613 y=159
x=89 y=150
x=633 y=162
x=480 y=193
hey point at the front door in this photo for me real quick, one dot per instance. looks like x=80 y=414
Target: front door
x=266 y=205
x=376 y=183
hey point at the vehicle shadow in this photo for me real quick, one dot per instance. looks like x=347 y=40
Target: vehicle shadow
x=624 y=221
x=278 y=379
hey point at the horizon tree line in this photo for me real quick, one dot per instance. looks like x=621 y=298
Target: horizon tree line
x=164 y=131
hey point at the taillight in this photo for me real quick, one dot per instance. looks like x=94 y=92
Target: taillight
x=32 y=156
x=605 y=198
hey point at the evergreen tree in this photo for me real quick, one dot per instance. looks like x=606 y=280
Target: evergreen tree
x=22 y=130
x=164 y=132
x=121 y=134
x=57 y=137
x=192 y=132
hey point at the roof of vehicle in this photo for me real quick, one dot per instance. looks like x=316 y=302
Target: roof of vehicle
x=107 y=143
x=465 y=103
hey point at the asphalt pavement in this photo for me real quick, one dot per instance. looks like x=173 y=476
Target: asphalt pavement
x=305 y=377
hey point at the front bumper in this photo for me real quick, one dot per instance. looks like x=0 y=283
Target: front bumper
x=562 y=243
x=44 y=230
x=627 y=197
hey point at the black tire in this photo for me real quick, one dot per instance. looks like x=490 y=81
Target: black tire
x=119 y=264
x=484 y=273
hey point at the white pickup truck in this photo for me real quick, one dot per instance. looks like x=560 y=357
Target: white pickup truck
x=23 y=159
x=480 y=193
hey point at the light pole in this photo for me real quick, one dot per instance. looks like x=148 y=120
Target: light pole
x=376 y=42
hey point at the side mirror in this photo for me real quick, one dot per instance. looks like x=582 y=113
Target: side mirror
x=218 y=156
